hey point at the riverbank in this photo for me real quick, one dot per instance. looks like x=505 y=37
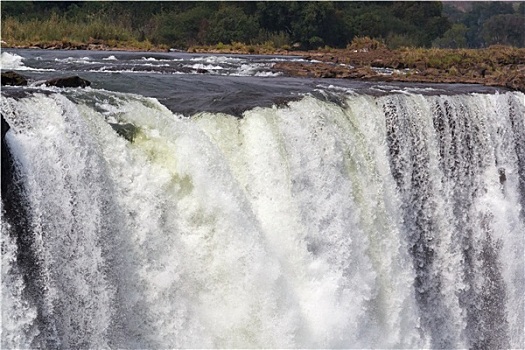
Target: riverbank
x=494 y=66
x=369 y=59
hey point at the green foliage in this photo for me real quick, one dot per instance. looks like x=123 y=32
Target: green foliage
x=279 y=40
x=17 y=8
x=281 y=24
x=507 y=29
x=231 y=24
x=183 y=29
x=453 y=38
x=309 y=26
x=396 y=41
x=486 y=23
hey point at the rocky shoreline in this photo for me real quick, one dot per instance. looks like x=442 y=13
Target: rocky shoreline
x=500 y=66
x=495 y=66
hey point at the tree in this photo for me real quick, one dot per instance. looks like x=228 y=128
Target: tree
x=480 y=13
x=182 y=29
x=312 y=22
x=505 y=29
x=231 y=24
x=453 y=38
x=425 y=17
x=17 y=9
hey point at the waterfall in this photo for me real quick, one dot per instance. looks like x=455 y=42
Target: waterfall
x=392 y=221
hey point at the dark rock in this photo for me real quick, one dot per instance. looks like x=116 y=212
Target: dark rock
x=398 y=65
x=502 y=175
x=13 y=78
x=74 y=81
x=127 y=131
x=202 y=71
x=483 y=72
x=378 y=63
x=5 y=127
x=328 y=74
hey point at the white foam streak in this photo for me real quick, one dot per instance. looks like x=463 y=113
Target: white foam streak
x=12 y=61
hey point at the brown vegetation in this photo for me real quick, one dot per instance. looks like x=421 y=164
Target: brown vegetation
x=495 y=66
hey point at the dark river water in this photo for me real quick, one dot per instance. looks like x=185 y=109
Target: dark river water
x=188 y=83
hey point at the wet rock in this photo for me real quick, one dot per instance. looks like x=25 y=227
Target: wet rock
x=5 y=127
x=328 y=74
x=127 y=131
x=74 y=81
x=502 y=175
x=398 y=65
x=13 y=78
x=378 y=63
x=355 y=63
x=202 y=71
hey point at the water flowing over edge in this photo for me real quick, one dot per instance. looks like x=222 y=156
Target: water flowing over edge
x=377 y=222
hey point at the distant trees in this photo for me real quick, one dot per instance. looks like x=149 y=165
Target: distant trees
x=504 y=29
x=230 y=24
x=485 y=23
x=453 y=38
x=182 y=28
x=308 y=24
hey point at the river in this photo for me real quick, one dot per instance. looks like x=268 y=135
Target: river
x=246 y=209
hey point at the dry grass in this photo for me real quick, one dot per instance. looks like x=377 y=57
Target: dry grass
x=489 y=58
x=61 y=33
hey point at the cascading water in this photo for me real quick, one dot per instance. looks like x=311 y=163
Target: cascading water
x=392 y=221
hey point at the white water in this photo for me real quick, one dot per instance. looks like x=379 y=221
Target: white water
x=292 y=227
x=11 y=61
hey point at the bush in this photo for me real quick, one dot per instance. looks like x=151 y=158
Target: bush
x=365 y=44
x=396 y=41
x=231 y=24
x=453 y=38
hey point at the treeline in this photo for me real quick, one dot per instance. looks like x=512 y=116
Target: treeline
x=290 y=24
x=481 y=24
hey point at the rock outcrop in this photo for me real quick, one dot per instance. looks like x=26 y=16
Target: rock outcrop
x=127 y=131
x=5 y=127
x=73 y=81
x=493 y=66
x=13 y=78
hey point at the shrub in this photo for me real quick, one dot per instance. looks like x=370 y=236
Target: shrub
x=396 y=41
x=365 y=44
